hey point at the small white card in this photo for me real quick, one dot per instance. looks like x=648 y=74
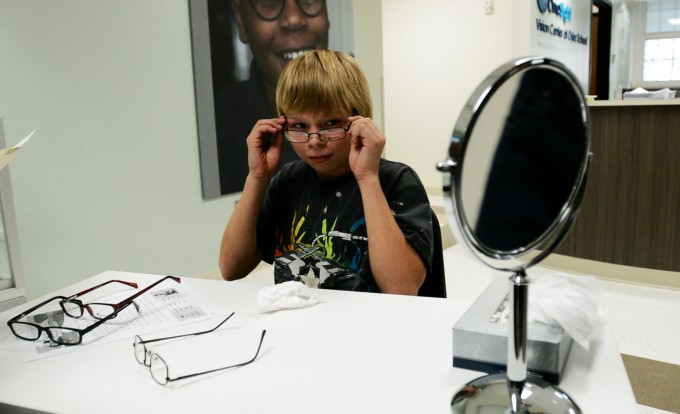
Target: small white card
x=7 y=154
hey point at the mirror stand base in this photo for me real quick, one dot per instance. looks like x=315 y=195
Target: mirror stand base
x=491 y=394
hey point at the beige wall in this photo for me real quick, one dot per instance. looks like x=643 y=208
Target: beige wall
x=111 y=180
x=435 y=53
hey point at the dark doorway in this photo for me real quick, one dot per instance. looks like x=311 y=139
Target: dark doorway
x=600 y=48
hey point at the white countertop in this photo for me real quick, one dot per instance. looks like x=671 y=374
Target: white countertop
x=635 y=102
x=354 y=352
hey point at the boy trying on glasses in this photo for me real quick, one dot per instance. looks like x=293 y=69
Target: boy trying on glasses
x=340 y=217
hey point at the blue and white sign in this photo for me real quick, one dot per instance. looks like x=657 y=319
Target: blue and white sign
x=560 y=29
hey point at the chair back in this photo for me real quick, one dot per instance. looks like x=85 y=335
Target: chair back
x=435 y=281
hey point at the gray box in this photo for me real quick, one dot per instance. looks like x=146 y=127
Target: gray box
x=480 y=338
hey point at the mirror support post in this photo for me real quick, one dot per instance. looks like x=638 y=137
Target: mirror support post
x=517 y=338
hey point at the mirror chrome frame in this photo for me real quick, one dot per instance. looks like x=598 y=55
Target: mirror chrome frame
x=524 y=256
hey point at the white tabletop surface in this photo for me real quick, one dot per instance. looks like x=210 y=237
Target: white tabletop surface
x=352 y=353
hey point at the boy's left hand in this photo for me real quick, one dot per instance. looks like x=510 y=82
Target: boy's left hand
x=366 y=147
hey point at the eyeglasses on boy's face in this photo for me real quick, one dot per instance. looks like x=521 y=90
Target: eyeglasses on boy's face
x=325 y=135
x=272 y=9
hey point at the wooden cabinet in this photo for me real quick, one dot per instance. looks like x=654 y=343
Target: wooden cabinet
x=631 y=211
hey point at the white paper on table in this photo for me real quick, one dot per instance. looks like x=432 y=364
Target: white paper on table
x=641 y=93
x=8 y=154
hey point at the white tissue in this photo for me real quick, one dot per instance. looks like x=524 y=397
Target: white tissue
x=568 y=301
x=281 y=296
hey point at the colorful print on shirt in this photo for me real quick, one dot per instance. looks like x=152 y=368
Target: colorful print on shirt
x=329 y=260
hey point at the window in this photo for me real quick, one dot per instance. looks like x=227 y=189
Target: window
x=660 y=41
x=661 y=60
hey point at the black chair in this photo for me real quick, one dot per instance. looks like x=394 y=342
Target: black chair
x=435 y=282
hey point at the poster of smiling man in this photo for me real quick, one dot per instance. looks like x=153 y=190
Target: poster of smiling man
x=239 y=49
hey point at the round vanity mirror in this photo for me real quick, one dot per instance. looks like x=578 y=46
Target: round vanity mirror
x=517 y=162
x=513 y=182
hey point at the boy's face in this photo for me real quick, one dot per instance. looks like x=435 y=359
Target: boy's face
x=329 y=159
x=276 y=42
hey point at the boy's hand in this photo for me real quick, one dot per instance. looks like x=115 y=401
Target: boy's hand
x=366 y=147
x=265 y=143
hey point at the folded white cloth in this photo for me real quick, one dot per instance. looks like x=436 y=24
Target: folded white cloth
x=284 y=295
x=567 y=301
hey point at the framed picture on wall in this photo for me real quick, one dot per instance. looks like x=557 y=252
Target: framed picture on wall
x=239 y=49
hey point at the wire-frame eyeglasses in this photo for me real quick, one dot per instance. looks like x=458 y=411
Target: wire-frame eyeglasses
x=159 y=368
x=142 y=354
x=272 y=9
x=324 y=135
x=52 y=325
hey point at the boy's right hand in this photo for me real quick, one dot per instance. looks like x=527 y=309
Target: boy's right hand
x=265 y=144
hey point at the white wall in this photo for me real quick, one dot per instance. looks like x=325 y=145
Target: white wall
x=368 y=50
x=112 y=181
x=435 y=53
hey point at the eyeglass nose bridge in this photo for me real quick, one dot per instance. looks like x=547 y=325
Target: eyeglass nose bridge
x=318 y=137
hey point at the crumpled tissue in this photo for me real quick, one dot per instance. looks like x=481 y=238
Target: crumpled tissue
x=284 y=295
x=568 y=301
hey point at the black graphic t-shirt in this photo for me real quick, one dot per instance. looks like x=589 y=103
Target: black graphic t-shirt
x=315 y=231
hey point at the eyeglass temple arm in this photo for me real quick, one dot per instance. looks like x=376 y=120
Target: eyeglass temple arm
x=189 y=334
x=141 y=292
x=28 y=311
x=131 y=284
x=223 y=368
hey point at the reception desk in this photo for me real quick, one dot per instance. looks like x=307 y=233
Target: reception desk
x=631 y=210
x=351 y=353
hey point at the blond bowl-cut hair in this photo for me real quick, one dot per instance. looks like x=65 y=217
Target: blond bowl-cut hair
x=326 y=82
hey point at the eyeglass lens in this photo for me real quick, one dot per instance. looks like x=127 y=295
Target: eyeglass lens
x=74 y=309
x=328 y=135
x=140 y=350
x=272 y=9
x=159 y=369
x=49 y=323
x=56 y=334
